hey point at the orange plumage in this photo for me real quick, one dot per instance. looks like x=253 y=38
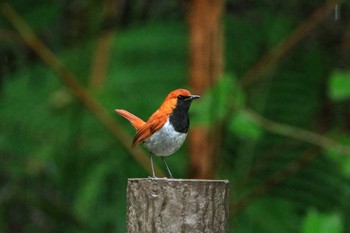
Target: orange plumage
x=171 y=117
x=156 y=120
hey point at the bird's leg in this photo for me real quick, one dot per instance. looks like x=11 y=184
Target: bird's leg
x=153 y=174
x=171 y=175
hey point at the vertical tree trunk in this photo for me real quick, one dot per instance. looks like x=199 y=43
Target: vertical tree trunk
x=206 y=67
x=177 y=205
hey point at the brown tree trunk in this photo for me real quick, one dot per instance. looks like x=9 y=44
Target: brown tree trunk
x=206 y=67
x=177 y=205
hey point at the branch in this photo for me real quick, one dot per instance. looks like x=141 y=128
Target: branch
x=299 y=134
x=292 y=167
x=102 y=54
x=104 y=46
x=30 y=38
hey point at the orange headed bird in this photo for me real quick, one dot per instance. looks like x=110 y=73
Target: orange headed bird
x=166 y=129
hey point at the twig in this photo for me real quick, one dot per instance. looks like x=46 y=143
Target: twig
x=103 y=46
x=292 y=167
x=70 y=81
x=100 y=65
x=299 y=134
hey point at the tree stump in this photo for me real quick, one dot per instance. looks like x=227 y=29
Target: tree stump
x=177 y=205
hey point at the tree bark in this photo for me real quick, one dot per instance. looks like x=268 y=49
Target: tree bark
x=177 y=205
x=206 y=67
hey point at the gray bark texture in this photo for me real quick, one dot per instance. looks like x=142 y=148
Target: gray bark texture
x=161 y=205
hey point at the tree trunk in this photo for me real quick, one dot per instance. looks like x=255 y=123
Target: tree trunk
x=177 y=205
x=206 y=67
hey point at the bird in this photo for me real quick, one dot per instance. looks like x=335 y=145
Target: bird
x=166 y=129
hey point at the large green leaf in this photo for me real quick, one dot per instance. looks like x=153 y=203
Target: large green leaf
x=316 y=222
x=339 y=85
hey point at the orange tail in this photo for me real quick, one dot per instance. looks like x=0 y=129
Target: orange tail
x=134 y=120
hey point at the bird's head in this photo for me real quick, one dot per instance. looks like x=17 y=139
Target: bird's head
x=179 y=98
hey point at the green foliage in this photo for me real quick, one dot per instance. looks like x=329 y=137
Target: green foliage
x=243 y=127
x=339 y=86
x=269 y=215
x=50 y=140
x=343 y=162
x=316 y=222
x=266 y=166
x=61 y=171
x=42 y=16
x=216 y=102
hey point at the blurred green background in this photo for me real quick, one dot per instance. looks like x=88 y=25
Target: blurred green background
x=283 y=103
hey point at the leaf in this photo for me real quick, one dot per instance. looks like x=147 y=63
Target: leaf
x=342 y=161
x=339 y=86
x=215 y=103
x=244 y=127
x=316 y=222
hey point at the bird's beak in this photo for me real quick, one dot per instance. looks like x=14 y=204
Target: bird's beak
x=192 y=97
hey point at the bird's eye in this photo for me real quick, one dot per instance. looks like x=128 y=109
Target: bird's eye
x=180 y=97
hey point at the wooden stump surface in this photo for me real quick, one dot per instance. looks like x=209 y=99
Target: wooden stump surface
x=177 y=205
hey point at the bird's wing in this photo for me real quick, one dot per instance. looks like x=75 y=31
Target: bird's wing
x=134 y=120
x=154 y=123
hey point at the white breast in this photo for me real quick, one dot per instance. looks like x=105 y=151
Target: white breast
x=165 y=141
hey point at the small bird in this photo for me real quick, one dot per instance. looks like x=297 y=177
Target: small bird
x=166 y=129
